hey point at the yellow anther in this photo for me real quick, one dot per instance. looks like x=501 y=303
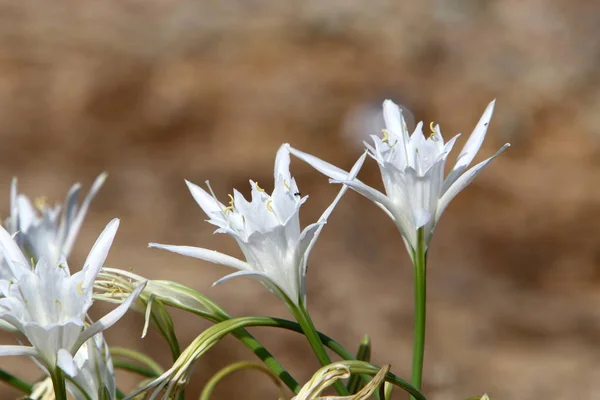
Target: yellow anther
x=231 y=205
x=386 y=135
x=32 y=262
x=41 y=203
x=258 y=187
x=80 y=288
x=269 y=205
x=61 y=266
x=59 y=304
x=286 y=185
x=432 y=136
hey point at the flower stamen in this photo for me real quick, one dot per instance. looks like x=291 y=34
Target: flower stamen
x=80 y=288
x=258 y=187
x=269 y=202
x=59 y=304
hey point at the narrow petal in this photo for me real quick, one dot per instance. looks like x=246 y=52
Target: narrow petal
x=209 y=204
x=99 y=252
x=323 y=167
x=14 y=215
x=66 y=362
x=73 y=231
x=12 y=254
x=372 y=194
x=206 y=255
x=472 y=146
x=282 y=165
x=109 y=319
x=392 y=117
x=18 y=351
x=68 y=214
x=463 y=181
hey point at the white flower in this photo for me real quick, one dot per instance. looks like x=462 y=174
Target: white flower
x=412 y=170
x=48 y=305
x=44 y=231
x=94 y=378
x=267 y=230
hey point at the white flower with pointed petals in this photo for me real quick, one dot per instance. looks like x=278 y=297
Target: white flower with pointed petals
x=267 y=229
x=42 y=231
x=412 y=169
x=49 y=305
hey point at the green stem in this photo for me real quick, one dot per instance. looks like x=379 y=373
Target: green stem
x=314 y=339
x=239 y=366
x=420 y=268
x=58 y=382
x=127 y=366
x=15 y=382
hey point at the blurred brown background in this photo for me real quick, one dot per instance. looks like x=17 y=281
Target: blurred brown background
x=157 y=91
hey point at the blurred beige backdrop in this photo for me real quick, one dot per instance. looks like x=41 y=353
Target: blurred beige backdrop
x=157 y=91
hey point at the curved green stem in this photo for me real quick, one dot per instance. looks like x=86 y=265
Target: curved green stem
x=15 y=382
x=239 y=366
x=420 y=268
x=152 y=365
x=127 y=366
x=312 y=335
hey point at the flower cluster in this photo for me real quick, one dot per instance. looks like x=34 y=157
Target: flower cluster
x=48 y=305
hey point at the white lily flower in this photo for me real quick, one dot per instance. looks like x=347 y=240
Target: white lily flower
x=412 y=170
x=48 y=232
x=94 y=378
x=267 y=230
x=48 y=305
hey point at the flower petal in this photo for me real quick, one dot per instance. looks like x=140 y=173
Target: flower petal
x=97 y=256
x=68 y=214
x=323 y=167
x=463 y=181
x=17 y=264
x=472 y=146
x=109 y=319
x=206 y=255
x=76 y=223
x=207 y=203
x=18 y=351
x=66 y=362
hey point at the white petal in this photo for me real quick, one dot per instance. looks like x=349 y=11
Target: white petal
x=209 y=204
x=312 y=237
x=67 y=217
x=66 y=363
x=392 y=117
x=76 y=223
x=13 y=228
x=472 y=146
x=95 y=260
x=372 y=194
x=205 y=254
x=421 y=217
x=16 y=261
x=109 y=319
x=282 y=164
x=463 y=181
x=323 y=167
x=18 y=351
